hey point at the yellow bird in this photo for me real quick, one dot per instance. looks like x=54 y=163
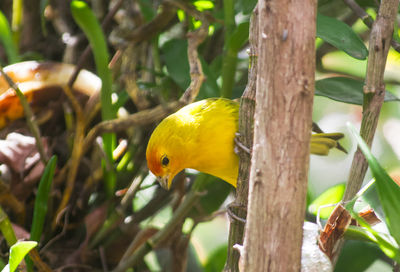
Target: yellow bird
x=201 y=136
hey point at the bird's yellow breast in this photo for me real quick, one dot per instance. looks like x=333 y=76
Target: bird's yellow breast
x=199 y=136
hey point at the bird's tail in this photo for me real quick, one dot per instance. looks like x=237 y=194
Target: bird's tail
x=321 y=143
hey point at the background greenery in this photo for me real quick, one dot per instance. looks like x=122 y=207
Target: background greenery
x=148 y=67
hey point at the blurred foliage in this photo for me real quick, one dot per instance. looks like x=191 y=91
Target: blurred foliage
x=108 y=219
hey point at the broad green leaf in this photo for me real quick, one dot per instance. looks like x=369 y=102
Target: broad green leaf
x=346 y=90
x=332 y=195
x=6 y=228
x=146 y=9
x=174 y=54
x=357 y=256
x=239 y=37
x=87 y=21
x=391 y=250
x=216 y=260
x=358 y=233
x=246 y=6
x=41 y=201
x=210 y=87
x=41 y=204
x=388 y=190
x=17 y=252
x=341 y=36
x=370 y=195
x=7 y=40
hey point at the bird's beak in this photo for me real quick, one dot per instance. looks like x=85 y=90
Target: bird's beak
x=164 y=182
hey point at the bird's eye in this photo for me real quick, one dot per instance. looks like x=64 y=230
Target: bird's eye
x=164 y=160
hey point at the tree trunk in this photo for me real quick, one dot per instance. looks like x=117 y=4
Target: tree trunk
x=278 y=176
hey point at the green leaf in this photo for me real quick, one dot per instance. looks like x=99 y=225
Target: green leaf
x=346 y=90
x=341 y=36
x=176 y=59
x=87 y=21
x=146 y=9
x=41 y=201
x=388 y=190
x=174 y=54
x=43 y=4
x=17 y=252
x=384 y=243
x=332 y=195
x=6 y=39
x=358 y=233
x=216 y=193
x=370 y=195
x=239 y=37
x=6 y=228
x=209 y=88
x=246 y=6
x=216 y=260
x=357 y=256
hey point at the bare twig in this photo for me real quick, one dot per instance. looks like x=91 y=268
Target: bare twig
x=374 y=92
x=141 y=118
x=360 y=12
x=156 y=25
x=374 y=89
x=35 y=257
x=81 y=123
x=245 y=137
x=73 y=164
x=196 y=72
x=367 y=19
x=151 y=115
x=163 y=234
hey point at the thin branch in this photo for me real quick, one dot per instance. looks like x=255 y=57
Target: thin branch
x=245 y=137
x=374 y=89
x=147 y=31
x=374 y=93
x=161 y=235
x=367 y=19
x=151 y=115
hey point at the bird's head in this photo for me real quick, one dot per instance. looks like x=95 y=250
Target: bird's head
x=165 y=154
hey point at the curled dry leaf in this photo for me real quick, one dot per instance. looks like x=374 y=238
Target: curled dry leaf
x=40 y=82
x=19 y=153
x=369 y=215
x=334 y=230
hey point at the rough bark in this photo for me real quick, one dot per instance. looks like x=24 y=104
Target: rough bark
x=278 y=176
x=374 y=94
x=374 y=89
x=245 y=137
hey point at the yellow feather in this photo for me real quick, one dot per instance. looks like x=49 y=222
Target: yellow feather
x=201 y=136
